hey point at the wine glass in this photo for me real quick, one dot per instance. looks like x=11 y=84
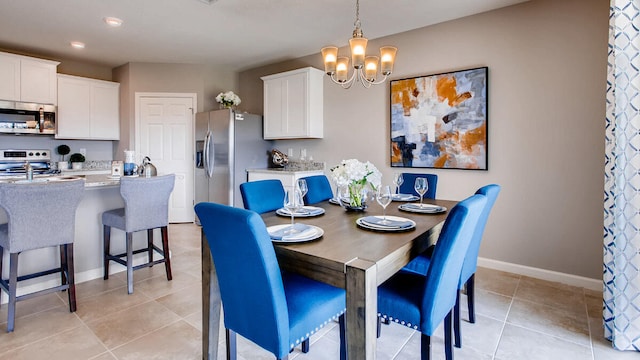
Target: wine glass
x=397 y=181
x=302 y=185
x=383 y=197
x=292 y=202
x=421 y=187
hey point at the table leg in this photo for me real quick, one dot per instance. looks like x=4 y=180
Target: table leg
x=362 y=309
x=211 y=304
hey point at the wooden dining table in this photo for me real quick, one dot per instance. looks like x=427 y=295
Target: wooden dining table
x=347 y=256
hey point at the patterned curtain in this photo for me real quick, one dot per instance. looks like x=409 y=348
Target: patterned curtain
x=622 y=178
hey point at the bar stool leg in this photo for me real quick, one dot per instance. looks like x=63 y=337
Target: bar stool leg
x=71 y=278
x=150 y=245
x=13 y=287
x=165 y=250
x=1 y=256
x=63 y=262
x=106 y=238
x=130 y=263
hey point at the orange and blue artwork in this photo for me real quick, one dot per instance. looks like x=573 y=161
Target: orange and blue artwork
x=440 y=121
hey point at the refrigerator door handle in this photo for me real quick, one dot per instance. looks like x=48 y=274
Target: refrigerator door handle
x=208 y=155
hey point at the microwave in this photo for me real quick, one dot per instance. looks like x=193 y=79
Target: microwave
x=27 y=118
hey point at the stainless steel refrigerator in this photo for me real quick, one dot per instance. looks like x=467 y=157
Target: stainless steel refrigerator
x=227 y=143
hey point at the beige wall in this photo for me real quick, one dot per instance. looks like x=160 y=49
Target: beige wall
x=203 y=80
x=547 y=78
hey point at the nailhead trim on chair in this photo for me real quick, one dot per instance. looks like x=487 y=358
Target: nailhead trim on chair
x=384 y=316
x=298 y=341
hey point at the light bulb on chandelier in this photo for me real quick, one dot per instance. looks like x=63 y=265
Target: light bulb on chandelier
x=365 y=68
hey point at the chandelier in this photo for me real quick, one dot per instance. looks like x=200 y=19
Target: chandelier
x=365 y=68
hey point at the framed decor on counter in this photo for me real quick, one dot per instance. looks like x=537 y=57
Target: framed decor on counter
x=440 y=121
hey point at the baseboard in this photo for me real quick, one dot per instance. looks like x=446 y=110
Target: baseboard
x=574 y=280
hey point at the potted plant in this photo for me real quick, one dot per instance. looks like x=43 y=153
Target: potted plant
x=76 y=160
x=63 y=150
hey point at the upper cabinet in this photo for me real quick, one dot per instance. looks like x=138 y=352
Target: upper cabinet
x=27 y=79
x=293 y=104
x=87 y=109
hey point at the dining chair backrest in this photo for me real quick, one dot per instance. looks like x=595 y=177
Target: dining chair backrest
x=251 y=285
x=471 y=260
x=262 y=196
x=319 y=189
x=441 y=285
x=146 y=201
x=409 y=179
x=40 y=215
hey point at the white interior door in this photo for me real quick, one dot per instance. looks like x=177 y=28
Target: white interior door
x=165 y=134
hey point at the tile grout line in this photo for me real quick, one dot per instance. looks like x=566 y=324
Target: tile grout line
x=504 y=322
x=586 y=309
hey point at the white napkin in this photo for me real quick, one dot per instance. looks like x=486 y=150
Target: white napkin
x=303 y=232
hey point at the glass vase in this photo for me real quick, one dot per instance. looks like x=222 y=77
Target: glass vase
x=353 y=197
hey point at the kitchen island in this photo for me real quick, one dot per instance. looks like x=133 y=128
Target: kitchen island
x=102 y=193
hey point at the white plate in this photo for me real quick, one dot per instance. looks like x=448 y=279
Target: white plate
x=312 y=233
x=377 y=227
x=306 y=211
x=404 y=197
x=425 y=209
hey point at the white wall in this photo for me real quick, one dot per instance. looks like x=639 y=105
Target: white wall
x=547 y=82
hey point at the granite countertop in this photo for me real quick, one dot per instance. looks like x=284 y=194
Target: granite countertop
x=283 y=170
x=90 y=181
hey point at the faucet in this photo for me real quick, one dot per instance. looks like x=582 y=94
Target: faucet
x=29 y=170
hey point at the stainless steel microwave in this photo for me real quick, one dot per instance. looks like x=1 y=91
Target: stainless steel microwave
x=27 y=118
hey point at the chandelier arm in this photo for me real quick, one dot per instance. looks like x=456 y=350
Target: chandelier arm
x=345 y=84
x=377 y=82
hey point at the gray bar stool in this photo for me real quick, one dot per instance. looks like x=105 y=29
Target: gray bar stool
x=146 y=207
x=39 y=215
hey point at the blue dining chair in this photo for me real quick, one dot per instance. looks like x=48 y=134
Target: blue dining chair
x=421 y=264
x=423 y=302
x=319 y=189
x=410 y=180
x=262 y=196
x=275 y=310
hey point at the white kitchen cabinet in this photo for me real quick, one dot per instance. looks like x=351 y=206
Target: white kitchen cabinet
x=287 y=178
x=28 y=79
x=293 y=104
x=87 y=109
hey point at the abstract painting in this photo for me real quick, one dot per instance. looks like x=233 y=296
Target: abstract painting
x=440 y=121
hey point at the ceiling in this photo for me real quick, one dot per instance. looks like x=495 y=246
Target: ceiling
x=235 y=34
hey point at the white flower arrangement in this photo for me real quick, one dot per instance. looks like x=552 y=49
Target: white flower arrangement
x=356 y=175
x=228 y=99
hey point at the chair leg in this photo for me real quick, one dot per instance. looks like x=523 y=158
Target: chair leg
x=1 y=256
x=471 y=298
x=305 y=346
x=448 y=348
x=71 y=278
x=425 y=347
x=150 y=245
x=63 y=261
x=232 y=350
x=130 y=263
x=13 y=287
x=456 y=322
x=106 y=239
x=343 y=337
x=165 y=249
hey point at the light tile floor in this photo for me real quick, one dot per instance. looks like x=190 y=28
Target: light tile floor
x=517 y=318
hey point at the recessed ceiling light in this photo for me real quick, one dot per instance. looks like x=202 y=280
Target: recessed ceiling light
x=77 y=45
x=113 y=21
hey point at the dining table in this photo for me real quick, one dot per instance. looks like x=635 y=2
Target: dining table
x=347 y=256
